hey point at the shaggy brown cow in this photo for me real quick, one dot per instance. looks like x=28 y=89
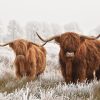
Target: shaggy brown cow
x=36 y=59
x=79 y=56
x=30 y=58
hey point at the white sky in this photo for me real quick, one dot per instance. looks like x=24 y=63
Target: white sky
x=85 y=12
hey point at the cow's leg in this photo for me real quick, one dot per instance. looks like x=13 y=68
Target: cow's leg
x=63 y=68
x=42 y=65
x=68 y=70
x=93 y=74
x=19 y=66
x=98 y=74
x=18 y=75
x=82 y=75
x=79 y=70
x=82 y=71
x=90 y=76
x=31 y=73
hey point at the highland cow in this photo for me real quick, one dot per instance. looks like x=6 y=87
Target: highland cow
x=79 y=56
x=30 y=58
x=36 y=58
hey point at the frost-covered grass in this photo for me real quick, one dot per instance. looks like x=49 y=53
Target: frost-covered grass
x=48 y=86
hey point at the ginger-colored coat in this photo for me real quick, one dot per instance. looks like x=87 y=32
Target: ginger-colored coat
x=79 y=56
x=30 y=58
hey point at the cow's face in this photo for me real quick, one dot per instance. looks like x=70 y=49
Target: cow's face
x=69 y=43
x=20 y=46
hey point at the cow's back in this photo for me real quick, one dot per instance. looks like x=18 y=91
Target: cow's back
x=37 y=56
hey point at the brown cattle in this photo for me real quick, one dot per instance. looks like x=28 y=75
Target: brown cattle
x=79 y=56
x=30 y=58
x=36 y=59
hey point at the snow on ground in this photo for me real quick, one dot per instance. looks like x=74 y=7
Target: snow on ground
x=48 y=86
x=6 y=61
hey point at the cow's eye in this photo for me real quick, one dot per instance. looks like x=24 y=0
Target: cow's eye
x=65 y=50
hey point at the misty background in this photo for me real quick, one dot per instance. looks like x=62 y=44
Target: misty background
x=23 y=18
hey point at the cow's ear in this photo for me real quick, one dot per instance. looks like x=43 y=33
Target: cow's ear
x=11 y=45
x=58 y=39
x=29 y=45
x=82 y=38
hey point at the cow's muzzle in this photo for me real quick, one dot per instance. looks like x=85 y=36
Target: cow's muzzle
x=69 y=54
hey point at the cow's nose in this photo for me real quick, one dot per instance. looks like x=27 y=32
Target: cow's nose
x=69 y=54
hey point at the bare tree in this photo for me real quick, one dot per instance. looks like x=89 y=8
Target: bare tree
x=56 y=29
x=72 y=27
x=2 y=34
x=31 y=29
x=14 y=29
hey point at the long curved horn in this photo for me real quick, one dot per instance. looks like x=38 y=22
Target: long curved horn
x=5 y=44
x=46 y=40
x=98 y=36
x=90 y=38
x=33 y=43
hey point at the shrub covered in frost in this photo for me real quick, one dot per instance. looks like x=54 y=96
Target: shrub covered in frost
x=48 y=86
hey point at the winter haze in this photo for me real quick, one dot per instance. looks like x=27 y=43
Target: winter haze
x=84 y=12
x=22 y=19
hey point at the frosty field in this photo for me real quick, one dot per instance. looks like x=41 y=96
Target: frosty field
x=48 y=86
x=51 y=19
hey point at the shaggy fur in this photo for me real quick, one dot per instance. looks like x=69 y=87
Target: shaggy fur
x=30 y=58
x=19 y=46
x=20 y=63
x=86 y=57
x=36 y=58
x=79 y=56
x=97 y=43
